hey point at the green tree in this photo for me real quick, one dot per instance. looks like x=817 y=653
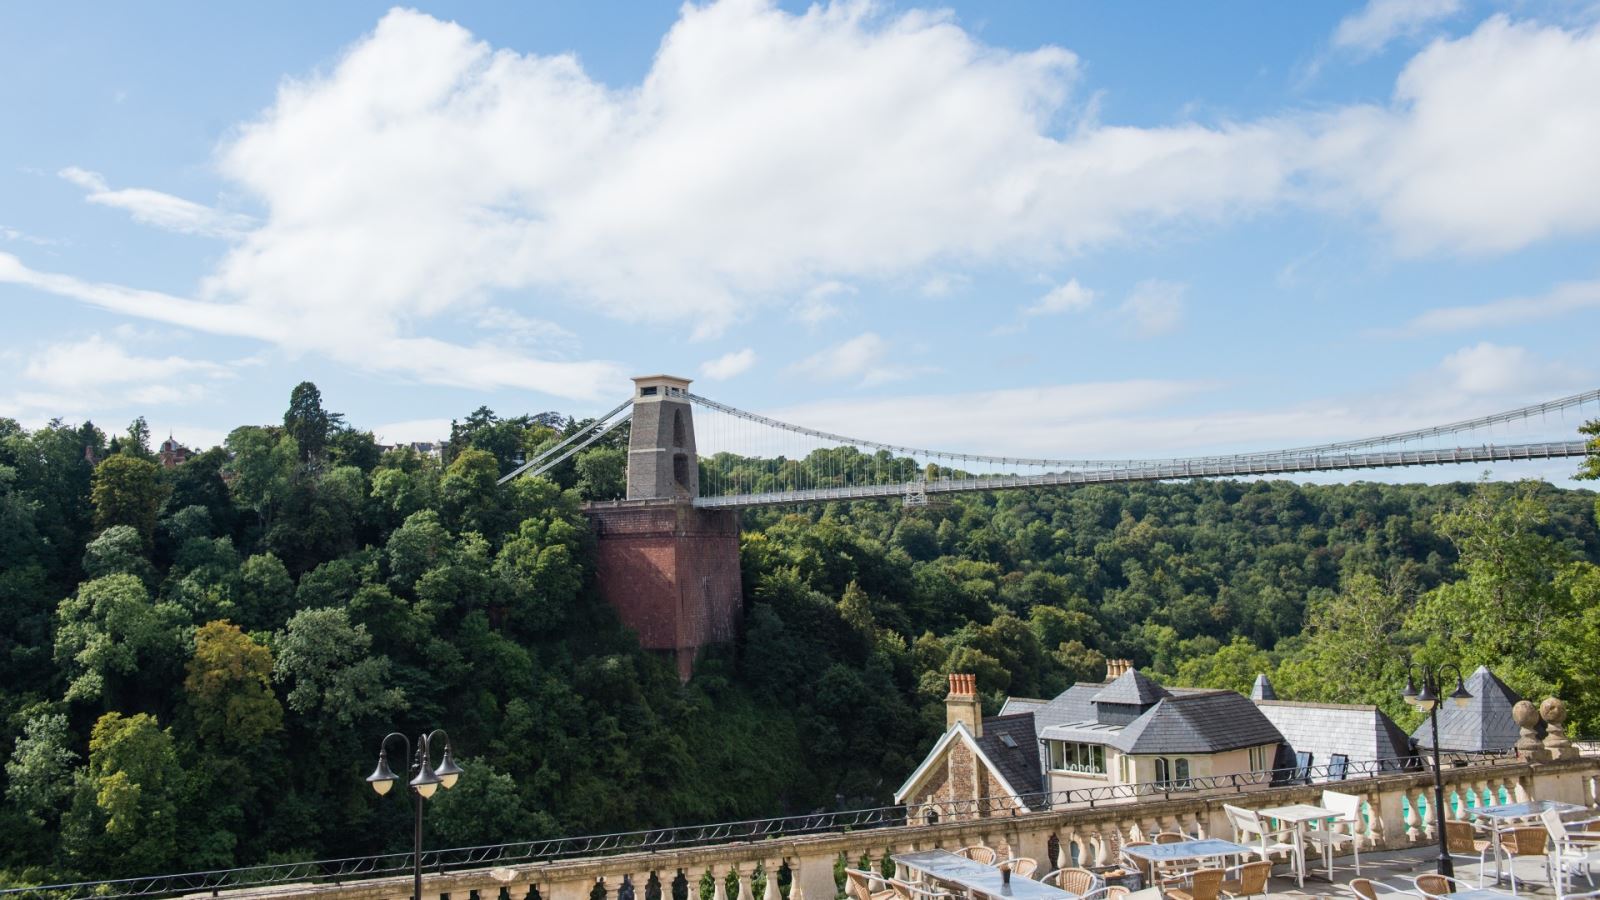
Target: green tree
x=229 y=686
x=39 y=773
x=331 y=675
x=307 y=422
x=124 y=816
x=113 y=643
x=128 y=491
x=119 y=548
x=261 y=471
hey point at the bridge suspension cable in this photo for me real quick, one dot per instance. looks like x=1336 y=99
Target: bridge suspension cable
x=585 y=436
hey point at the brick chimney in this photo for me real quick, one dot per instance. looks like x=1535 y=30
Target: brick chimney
x=963 y=705
x=1116 y=668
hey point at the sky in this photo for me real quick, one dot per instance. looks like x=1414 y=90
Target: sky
x=1038 y=228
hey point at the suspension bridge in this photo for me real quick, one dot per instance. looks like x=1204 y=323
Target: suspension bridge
x=735 y=459
x=667 y=556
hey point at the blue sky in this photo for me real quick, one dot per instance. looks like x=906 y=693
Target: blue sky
x=1036 y=228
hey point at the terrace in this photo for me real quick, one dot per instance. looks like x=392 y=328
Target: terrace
x=734 y=861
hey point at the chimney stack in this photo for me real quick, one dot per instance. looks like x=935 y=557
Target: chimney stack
x=962 y=705
x=1116 y=668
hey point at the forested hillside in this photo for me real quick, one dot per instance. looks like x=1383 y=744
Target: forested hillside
x=197 y=663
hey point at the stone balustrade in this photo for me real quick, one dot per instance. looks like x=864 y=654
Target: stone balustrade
x=1398 y=815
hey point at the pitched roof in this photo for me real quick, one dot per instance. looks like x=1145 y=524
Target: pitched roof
x=1205 y=722
x=1263 y=689
x=1018 y=760
x=1131 y=688
x=1014 y=705
x=960 y=732
x=1363 y=733
x=1485 y=723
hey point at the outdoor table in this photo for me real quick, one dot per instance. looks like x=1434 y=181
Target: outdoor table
x=1498 y=816
x=1477 y=894
x=1299 y=814
x=979 y=878
x=1203 y=848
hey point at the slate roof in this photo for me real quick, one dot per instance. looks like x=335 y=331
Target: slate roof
x=1131 y=688
x=1363 y=733
x=1018 y=764
x=1200 y=722
x=1014 y=705
x=1485 y=724
x=1263 y=689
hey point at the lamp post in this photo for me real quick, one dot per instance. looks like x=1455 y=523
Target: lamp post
x=1428 y=699
x=427 y=780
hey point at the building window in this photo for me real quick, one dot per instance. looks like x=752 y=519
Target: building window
x=1071 y=756
x=1258 y=759
x=1125 y=766
x=647 y=391
x=1172 y=772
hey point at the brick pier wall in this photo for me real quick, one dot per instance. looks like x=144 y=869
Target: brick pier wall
x=671 y=572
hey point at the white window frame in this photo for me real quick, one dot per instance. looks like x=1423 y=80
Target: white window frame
x=1078 y=758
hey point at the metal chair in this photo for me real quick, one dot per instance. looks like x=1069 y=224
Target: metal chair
x=1174 y=872
x=1327 y=839
x=1109 y=892
x=1206 y=884
x=905 y=890
x=1249 y=829
x=1434 y=886
x=1575 y=852
x=1461 y=841
x=981 y=854
x=1524 y=840
x=1249 y=879
x=1367 y=889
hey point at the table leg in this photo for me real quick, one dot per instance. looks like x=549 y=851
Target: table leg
x=1300 y=852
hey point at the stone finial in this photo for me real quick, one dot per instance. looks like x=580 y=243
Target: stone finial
x=1554 y=711
x=1528 y=747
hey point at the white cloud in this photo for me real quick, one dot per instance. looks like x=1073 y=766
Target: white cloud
x=1069 y=297
x=1571 y=297
x=1381 y=21
x=1488 y=146
x=412 y=430
x=819 y=304
x=158 y=209
x=864 y=358
x=942 y=284
x=95 y=362
x=1155 y=307
x=728 y=365
x=1495 y=370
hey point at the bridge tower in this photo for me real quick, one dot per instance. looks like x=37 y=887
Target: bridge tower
x=670 y=570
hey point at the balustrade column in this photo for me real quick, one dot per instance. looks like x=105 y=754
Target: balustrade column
x=812 y=877
x=769 y=890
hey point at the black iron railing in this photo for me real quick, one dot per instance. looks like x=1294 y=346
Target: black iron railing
x=338 y=871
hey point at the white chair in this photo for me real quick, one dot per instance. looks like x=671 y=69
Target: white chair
x=1575 y=852
x=1249 y=829
x=1327 y=840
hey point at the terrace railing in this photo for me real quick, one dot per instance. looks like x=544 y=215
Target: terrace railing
x=1082 y=825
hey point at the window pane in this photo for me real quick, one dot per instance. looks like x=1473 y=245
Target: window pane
x=1161 y=769
x=1183 y=769
x=1099 y=759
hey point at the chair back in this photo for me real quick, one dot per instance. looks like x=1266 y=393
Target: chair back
x=1527 y=840
x=1364 y=888
x=1206 y=884
x=857 y=884
x=1246 y=823
x=1171 y=837
x=1459 y=838
x=983 y=855
x=1024 y=866
x=1078 y=881
x=1433 y=885
x=1253 y=878
x=1139 y=863
x=1348 y=806
x=1117 y=892
x=1553 y=825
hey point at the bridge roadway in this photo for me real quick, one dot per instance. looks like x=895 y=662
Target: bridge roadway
x=1165 y=470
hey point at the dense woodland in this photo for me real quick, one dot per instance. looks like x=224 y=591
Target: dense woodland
x=197 y=663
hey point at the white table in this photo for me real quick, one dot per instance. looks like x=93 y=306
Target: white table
x=1478 y=894
x=1300 y=814
x=1504 y=814
x=1180 y=851
x=979 y=878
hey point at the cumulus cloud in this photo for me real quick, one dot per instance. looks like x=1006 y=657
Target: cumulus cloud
x=864 y=358
x=1155 y=307
x=728 y=365
x=1492 y=369
x=97 y=373
x=1381 y=21
x=158 y=209
x=1069 y=297
x=820 y=303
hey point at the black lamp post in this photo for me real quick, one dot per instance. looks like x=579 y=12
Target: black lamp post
x=427 y=780
x=1428 y=699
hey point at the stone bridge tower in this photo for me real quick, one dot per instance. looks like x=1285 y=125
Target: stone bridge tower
x=670 y=570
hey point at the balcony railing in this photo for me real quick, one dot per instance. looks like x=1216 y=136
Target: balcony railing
x=1083 y=824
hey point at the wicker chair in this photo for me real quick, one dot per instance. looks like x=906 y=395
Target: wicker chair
x=1433 y=886
x=858 y=884
x=1461 y=841
x=1141 y=865
x=1078 y=881
x=1206 y=884
x=1250 y=879
x=1024 y=866
x=1526 y=840
x=1171 y=837
x=1109 y=892
x=1364 y=888
x=905 y=890
x=984 y=855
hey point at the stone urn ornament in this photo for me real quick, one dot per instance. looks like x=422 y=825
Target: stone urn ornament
x=1527 y=719
x=1554 y=712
